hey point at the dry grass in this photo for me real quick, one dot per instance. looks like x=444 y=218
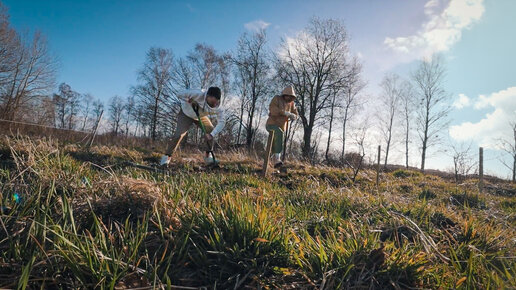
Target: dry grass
x=87 y=220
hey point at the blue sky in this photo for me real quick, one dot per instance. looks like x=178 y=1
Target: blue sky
x=101 y=44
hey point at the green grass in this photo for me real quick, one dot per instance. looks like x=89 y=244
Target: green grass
x=86 y=220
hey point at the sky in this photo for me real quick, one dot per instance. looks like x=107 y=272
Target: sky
x=100 y=45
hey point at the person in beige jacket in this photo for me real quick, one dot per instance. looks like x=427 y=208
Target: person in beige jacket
x=281 y=109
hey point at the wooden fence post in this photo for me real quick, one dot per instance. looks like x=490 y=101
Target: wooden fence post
x=378 y=168
x=481 y=170
x=95 y=130
x=268 y=150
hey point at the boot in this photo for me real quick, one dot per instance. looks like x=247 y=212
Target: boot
x=276 y=160
x=164 y=161
x=209 y=160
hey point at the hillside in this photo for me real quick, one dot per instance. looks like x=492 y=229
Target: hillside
x=77 y=219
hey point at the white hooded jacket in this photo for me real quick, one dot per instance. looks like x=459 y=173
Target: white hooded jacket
x=204 y=109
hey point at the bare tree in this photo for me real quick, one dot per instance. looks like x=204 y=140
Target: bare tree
x=139 y=117
x=30 y=77
x=129 y=113
x=432 y=117
x=66 y=103
x=61 y=107
x=509 y=146
x=154 y=92
x=116 y=110
x=407 y=112
x=86 y=107
x=10 y=44
x=98 y=107
x=390 y=104
x=225 y=66
x=463 y=162
x=242 y=90
x=355 y=160
x=43 y=112
x=351 y=100
x=182 y=75
x=315 y=62
x=75 y=105
x=333 y=106
x=253 y=71
x=205 y=64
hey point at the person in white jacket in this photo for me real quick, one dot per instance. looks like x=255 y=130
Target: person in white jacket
x=208 y=103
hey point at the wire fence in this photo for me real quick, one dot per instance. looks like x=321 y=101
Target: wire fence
x=81 y=138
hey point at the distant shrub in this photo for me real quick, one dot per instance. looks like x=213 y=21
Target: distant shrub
x=398 y=234
x=406 y=188
x=335 y=178
x=401 y=173
x=468 y=200
x=442 y=221
x=427 y=194
x=509 y=205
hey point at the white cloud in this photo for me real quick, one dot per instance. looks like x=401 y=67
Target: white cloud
x=502 y=99
x=462 y=102
x=444 y=28
x=295 y=44
x=481 y=103
x=494 y=125
x=256 y=25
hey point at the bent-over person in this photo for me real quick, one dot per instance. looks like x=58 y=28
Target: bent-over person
x=208 y=104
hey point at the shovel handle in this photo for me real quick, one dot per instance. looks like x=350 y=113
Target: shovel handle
x=195 y=107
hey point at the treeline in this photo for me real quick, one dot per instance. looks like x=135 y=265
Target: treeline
x=339 y=124
x=326 y=76
x=27 y=74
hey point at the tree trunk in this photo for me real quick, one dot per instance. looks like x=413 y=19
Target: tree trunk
x=329 y=138
x=344 y=135
x=514 y=155
x=388 y=142
x=240 y=123
x=307 y=138
x=514 y=169
x=155 y=119
x=406 y=145
x=423 y=155
x=250 y=133
x=84 y=122
x=387 y=151
x=329 y=129
x=425 y=139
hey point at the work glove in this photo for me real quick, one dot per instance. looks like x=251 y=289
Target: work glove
x=194 y=104
x=291 y=116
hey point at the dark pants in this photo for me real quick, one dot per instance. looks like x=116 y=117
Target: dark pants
x=277 y=144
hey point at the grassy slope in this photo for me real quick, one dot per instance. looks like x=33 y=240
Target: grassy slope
x=86 y=220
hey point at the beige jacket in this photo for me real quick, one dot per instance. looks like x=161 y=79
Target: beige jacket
x=277 y=109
